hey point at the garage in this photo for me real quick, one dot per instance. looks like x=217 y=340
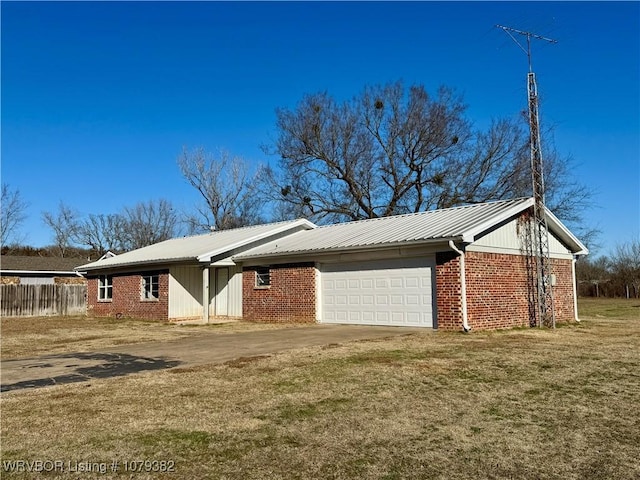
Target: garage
x=381 y=292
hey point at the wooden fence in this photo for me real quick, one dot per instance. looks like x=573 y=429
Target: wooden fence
x=40 y=300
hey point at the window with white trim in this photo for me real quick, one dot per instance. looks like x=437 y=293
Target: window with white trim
x=150 y=288
x=105 y=287
x=263 y=277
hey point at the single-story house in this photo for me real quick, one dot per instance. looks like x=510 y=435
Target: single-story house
x=461 y=267
x=36 y=270
x=170 y=279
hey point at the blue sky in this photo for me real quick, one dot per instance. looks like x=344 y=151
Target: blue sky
x=98 y=99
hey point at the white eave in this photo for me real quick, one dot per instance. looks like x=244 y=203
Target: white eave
x=557 y=227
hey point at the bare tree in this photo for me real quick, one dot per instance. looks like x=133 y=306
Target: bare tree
x=12 y=214
x=614 y=276
x=134 y=227
x=64 y=224
x=148 y=222
x=101 y=233
x=393 y=150
x=227 y=186
x=626 y=266
x=592 y=273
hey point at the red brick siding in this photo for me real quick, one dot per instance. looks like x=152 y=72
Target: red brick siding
x=448 y=298
x=563 y=300
x=496 y=291
x=127 y=298
x=291 y=298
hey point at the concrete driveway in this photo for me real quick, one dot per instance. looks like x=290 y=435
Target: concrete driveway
x=203 y=349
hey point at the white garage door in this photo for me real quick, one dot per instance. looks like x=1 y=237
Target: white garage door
x=383 y=292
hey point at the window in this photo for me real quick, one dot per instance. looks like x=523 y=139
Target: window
x=150 y=286
x=105 y=287
x=263 y=277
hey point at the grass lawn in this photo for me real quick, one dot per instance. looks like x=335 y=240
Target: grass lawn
x=521 y=404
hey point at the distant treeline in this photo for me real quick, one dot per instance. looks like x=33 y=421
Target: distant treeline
x=615 y=276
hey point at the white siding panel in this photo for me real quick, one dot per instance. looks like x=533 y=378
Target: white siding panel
x=379 y=292
x=235 y=291
x=185 y=292
x=232 y=292
x=556 y=247
x=221 y=290
x=507 y=239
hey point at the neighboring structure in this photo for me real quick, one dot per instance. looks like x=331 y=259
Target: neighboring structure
x=456 y=268
x=36 y=286
x=28 y=270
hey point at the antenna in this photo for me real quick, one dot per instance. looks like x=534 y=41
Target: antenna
x=529 y=36
x=541 y=311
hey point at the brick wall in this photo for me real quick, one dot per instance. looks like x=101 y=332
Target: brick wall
x=127 y=298
x=496 y=291
x=291 y=297
x=563 y=303
x=448 y=298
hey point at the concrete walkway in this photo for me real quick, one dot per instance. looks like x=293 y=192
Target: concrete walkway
x=203 y=349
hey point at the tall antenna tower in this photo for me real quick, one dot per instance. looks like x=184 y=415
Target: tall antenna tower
x=537 y=235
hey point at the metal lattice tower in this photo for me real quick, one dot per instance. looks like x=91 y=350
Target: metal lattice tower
x=536 y=235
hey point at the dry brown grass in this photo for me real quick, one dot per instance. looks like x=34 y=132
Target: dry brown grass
x=525 y=404
x=609 y=308
x=27 y=337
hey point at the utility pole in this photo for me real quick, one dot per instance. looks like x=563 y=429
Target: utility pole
x=537 y=238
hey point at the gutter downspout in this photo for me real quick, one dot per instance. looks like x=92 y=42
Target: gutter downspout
x=574 y=281
x=463 y=287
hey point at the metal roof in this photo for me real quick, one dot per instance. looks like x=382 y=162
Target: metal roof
x=198 y=248
x=463 y=223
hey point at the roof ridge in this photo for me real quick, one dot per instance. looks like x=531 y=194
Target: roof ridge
x=425 y=212
x=245 y=227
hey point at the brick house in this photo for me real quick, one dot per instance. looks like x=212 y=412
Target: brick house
x=170 y=279
x=451 y=269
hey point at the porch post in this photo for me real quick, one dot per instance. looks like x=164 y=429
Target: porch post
x=205 y=294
